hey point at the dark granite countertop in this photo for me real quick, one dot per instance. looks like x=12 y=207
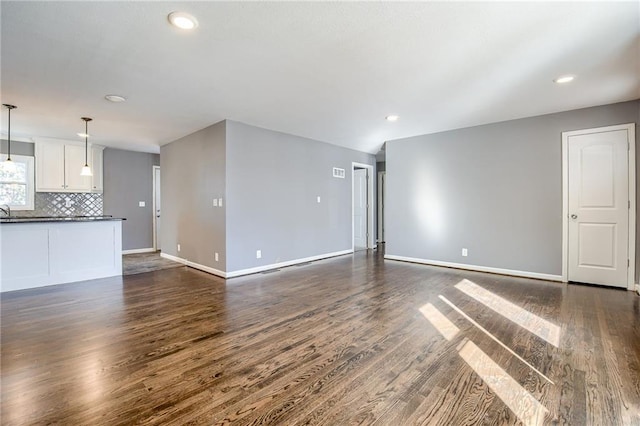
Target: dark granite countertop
x=41 y=219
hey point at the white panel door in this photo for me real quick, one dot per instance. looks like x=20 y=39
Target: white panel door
x=598 y=207
x=74 y=159
x=360 y=209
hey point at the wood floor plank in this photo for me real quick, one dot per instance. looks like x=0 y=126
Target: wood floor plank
x=338 y=341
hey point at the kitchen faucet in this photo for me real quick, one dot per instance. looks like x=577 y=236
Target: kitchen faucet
x=6 y=211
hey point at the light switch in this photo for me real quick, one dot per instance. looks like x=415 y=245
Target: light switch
x=141 y=204
x=215 y=202
x=258 y=254
x=216 y=256
x=219 y=202
x=318 y=198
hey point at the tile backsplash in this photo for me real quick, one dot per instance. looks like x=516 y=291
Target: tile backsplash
x=55 y=204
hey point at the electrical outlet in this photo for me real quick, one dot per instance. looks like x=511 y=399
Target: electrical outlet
x=219 y=202
x=465 y=252
x=215 y=202
x=68 y=203
x=141 y=204
x=178 y=247
x=318 y=198
x=216 y=257
x=258 y=254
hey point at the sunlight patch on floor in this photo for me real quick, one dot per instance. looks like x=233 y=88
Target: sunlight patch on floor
x=521 y=402
x=439 y=321
x=525 y=319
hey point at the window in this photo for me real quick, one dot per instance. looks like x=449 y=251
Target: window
x=16 y=183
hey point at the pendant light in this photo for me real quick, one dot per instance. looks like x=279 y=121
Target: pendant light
x=8 y=163
x=86 y=170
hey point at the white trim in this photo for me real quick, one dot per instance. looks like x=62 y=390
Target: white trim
x=525 y=274
x=194 y=265
x=285 y=264
x=141 y=250
x=382 y=176
x=153 y=194
x=29 y=161
x=255 y=270
x=638 y=288
x=631 y=139
x=172 y=257
x=370 y=201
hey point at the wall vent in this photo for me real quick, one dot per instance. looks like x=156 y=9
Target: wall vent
x=338 y=173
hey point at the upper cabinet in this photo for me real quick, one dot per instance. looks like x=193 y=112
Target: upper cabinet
x=96 y=167
x=49 y=167
x=58 y=166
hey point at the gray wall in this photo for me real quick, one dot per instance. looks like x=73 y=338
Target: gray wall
x=128 y=179
x=273 y=180
x=193 y=174
x=494 y=189
x=18 y=148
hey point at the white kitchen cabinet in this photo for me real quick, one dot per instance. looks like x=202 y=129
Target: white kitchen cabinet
x=58 y=166
x=49 y=167
x=96 y=167
x=74 y=159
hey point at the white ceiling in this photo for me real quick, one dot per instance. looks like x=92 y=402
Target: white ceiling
x=327 y=71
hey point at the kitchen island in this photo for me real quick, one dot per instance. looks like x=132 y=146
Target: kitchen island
x=41 y=251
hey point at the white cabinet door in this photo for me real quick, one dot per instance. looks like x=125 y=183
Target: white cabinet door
x=96 y=167
x=49 y=167
x=74 y=159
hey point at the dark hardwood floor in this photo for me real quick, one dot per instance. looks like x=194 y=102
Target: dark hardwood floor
x=349 y=340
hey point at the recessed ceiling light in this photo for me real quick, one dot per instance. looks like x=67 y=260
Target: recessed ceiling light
x=392 y=117
x=183 y=20
x=115 y=98
x=564 y=79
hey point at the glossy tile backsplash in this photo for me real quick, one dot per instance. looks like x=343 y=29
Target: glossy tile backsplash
x=55 y=204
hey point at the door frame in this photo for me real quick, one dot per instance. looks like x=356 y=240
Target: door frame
x=630 y=128
x=370 y=201
x=382 y=187
x=155 y=219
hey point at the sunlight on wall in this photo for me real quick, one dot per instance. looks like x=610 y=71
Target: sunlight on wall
x=525 y=319
x=521 y=402
x=428 y=206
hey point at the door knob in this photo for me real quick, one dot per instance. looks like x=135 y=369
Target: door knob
x=574 y=216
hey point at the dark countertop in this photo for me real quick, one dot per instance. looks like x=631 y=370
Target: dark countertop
x=41 y=219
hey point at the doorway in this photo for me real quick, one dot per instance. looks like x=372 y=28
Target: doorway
x=362 y=206
x=157 y=209
x=599 y=206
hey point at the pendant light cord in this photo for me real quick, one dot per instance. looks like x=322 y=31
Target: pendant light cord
x=9 y=107
x=86 y=143
x=9 y=138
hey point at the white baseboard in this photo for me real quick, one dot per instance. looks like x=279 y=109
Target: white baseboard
x=525 y=274
x=142 y=250
x=637 y=288
x=255 y=270
x=194 y=265
x=285 y=264
x=172 y=257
